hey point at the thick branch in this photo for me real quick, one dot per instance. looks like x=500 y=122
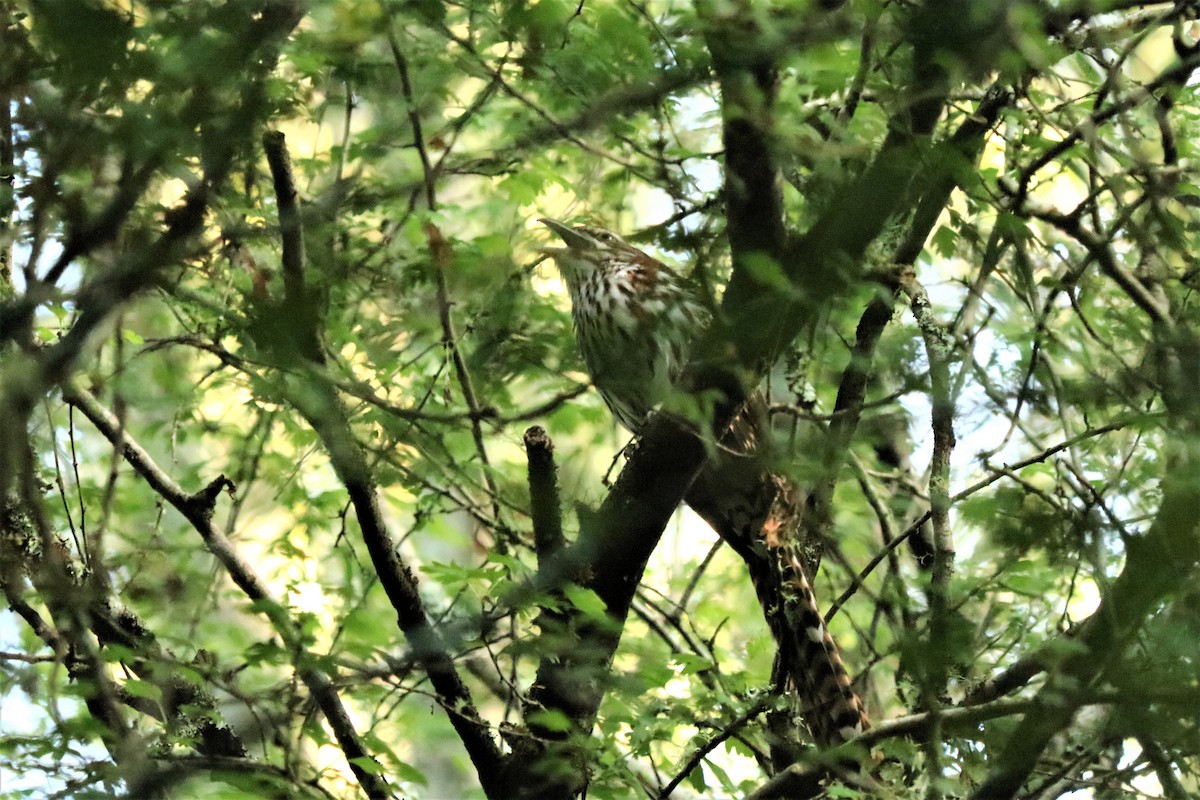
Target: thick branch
x=753 y=195
x=614 y=547
x=609 y=559
x=617 y=544
x=291 y=228
x=318 y=403
x=122 y=627
x=543 y=494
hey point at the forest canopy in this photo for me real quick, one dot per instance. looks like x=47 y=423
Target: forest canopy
x=306 y=489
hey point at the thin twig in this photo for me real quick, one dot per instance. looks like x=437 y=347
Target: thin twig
x=975 y=487
x=702 y=752
x=442 y=254
x=803 y=778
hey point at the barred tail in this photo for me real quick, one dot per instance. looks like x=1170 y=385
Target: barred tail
x=832 y=708
x=754 y=512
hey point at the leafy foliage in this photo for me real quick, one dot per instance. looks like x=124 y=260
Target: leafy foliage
x=266 y=524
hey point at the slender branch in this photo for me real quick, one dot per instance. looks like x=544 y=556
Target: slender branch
x=442 y=255
x=939 y=349
x=802 y=779
x=1160 y=562
x=776 y=42
x=27 y=659
x=701 y=753
x=315 y=397
x=1021 y=671
x=1173 y=789
x=362 y=391
x=983 y=483
x=54 y=577
x=181 y=766
x=106 y=226
x=259 y=44
x=428 y=177
x=966 y=142
x=685 y=596
x=854 y=93
x=1099 y=249
x=1177 y=72
x=551 y=129
x=198 y=510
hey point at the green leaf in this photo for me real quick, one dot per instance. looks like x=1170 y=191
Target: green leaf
x=367 y=764
x=695 y=779
x=143 y=689
x=407 y=772
x=585 y=600
x=691 y=664
x=766 y=271
x=945 y=241
x=552 y=720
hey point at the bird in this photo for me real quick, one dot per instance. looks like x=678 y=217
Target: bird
x=634 y=320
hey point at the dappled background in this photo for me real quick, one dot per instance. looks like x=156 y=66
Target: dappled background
x=985 y=386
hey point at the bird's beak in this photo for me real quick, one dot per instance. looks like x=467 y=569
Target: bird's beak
x=573 y=239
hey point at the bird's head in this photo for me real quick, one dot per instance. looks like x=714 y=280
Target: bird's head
x=589 y=248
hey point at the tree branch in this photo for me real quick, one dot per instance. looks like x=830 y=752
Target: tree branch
x=291 y=226
x=314 y=396
x=803 y=779
x=198 y=510
x=258 y=46
x=1159 y=563
x=614 y=547
x=543 y=494
x=939 y=350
